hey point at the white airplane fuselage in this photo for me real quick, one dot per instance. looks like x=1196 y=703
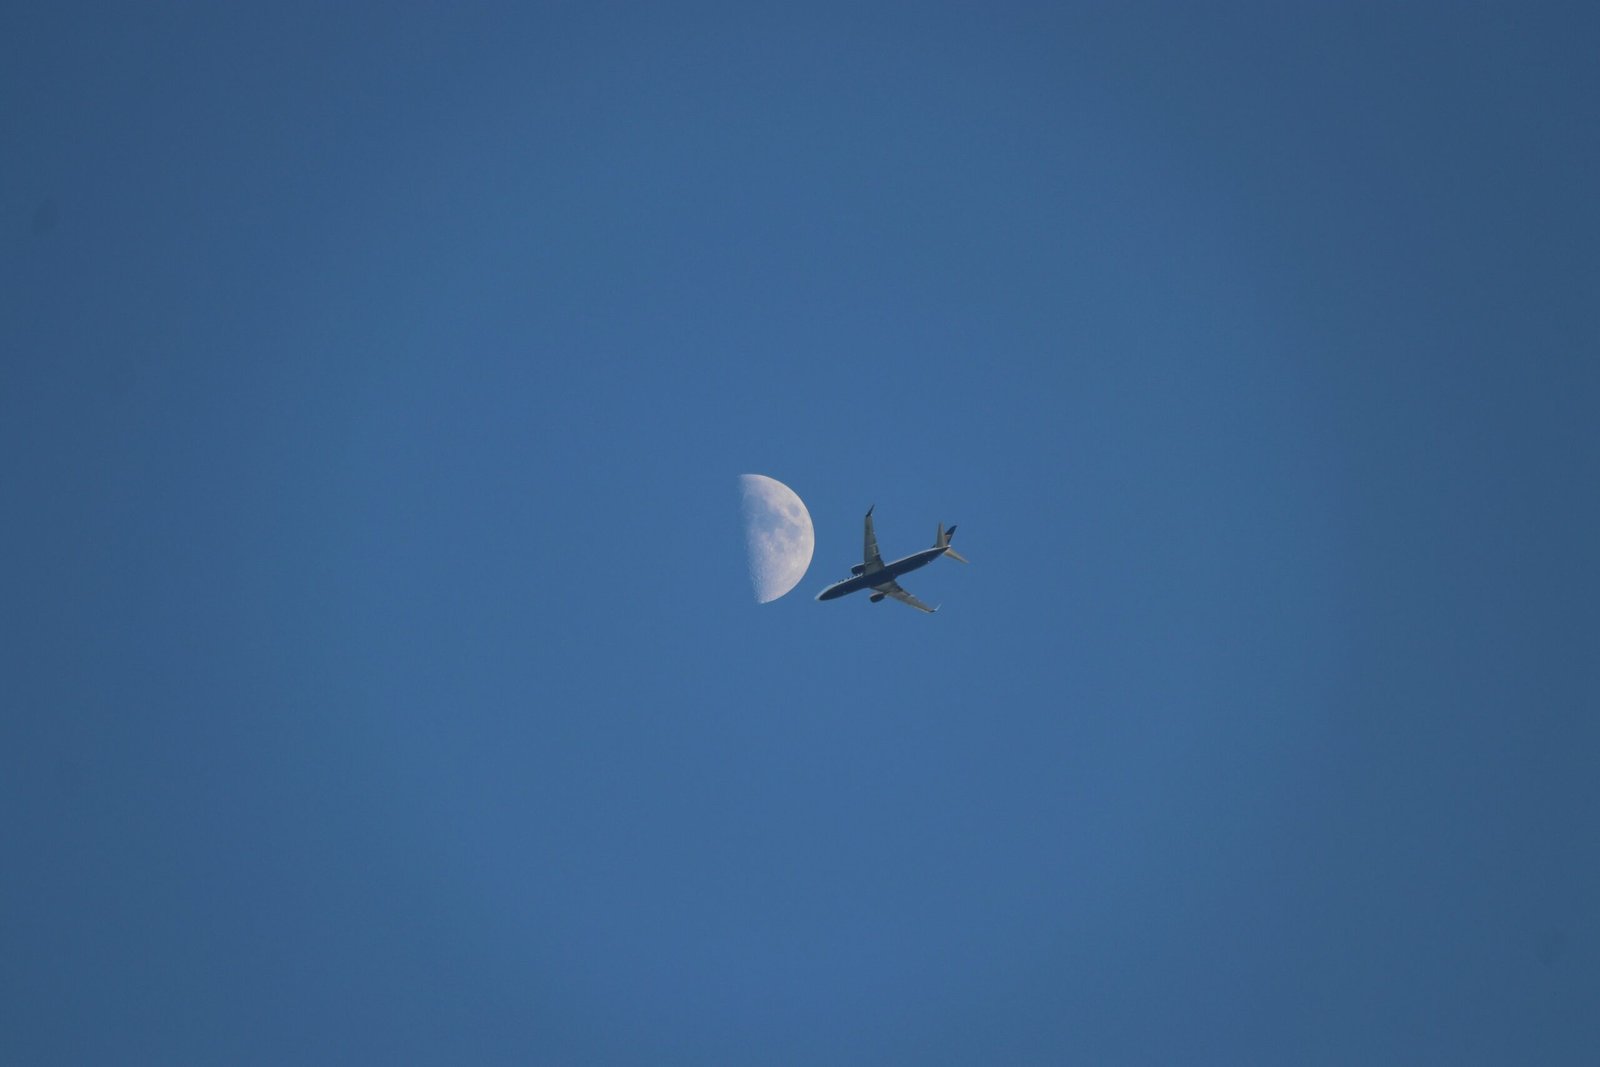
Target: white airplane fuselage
x=887 y=573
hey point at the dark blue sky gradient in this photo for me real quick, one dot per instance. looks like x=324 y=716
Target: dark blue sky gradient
x=379 y=677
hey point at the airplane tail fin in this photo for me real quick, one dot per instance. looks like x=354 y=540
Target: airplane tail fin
x=944 y=543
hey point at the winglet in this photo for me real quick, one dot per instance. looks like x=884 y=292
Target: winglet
x=870 y=507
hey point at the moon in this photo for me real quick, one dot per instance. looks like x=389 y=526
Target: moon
x=778 y=533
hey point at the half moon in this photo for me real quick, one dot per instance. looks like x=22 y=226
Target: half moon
x=778 y=534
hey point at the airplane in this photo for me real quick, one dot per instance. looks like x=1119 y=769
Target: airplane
x=880 y=577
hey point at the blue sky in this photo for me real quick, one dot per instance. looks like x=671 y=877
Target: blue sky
x=380 y=680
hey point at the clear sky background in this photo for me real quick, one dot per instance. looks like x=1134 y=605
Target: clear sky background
x=380 y=680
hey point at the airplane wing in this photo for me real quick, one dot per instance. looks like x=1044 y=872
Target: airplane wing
x=870 y=560
x=892 y=588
